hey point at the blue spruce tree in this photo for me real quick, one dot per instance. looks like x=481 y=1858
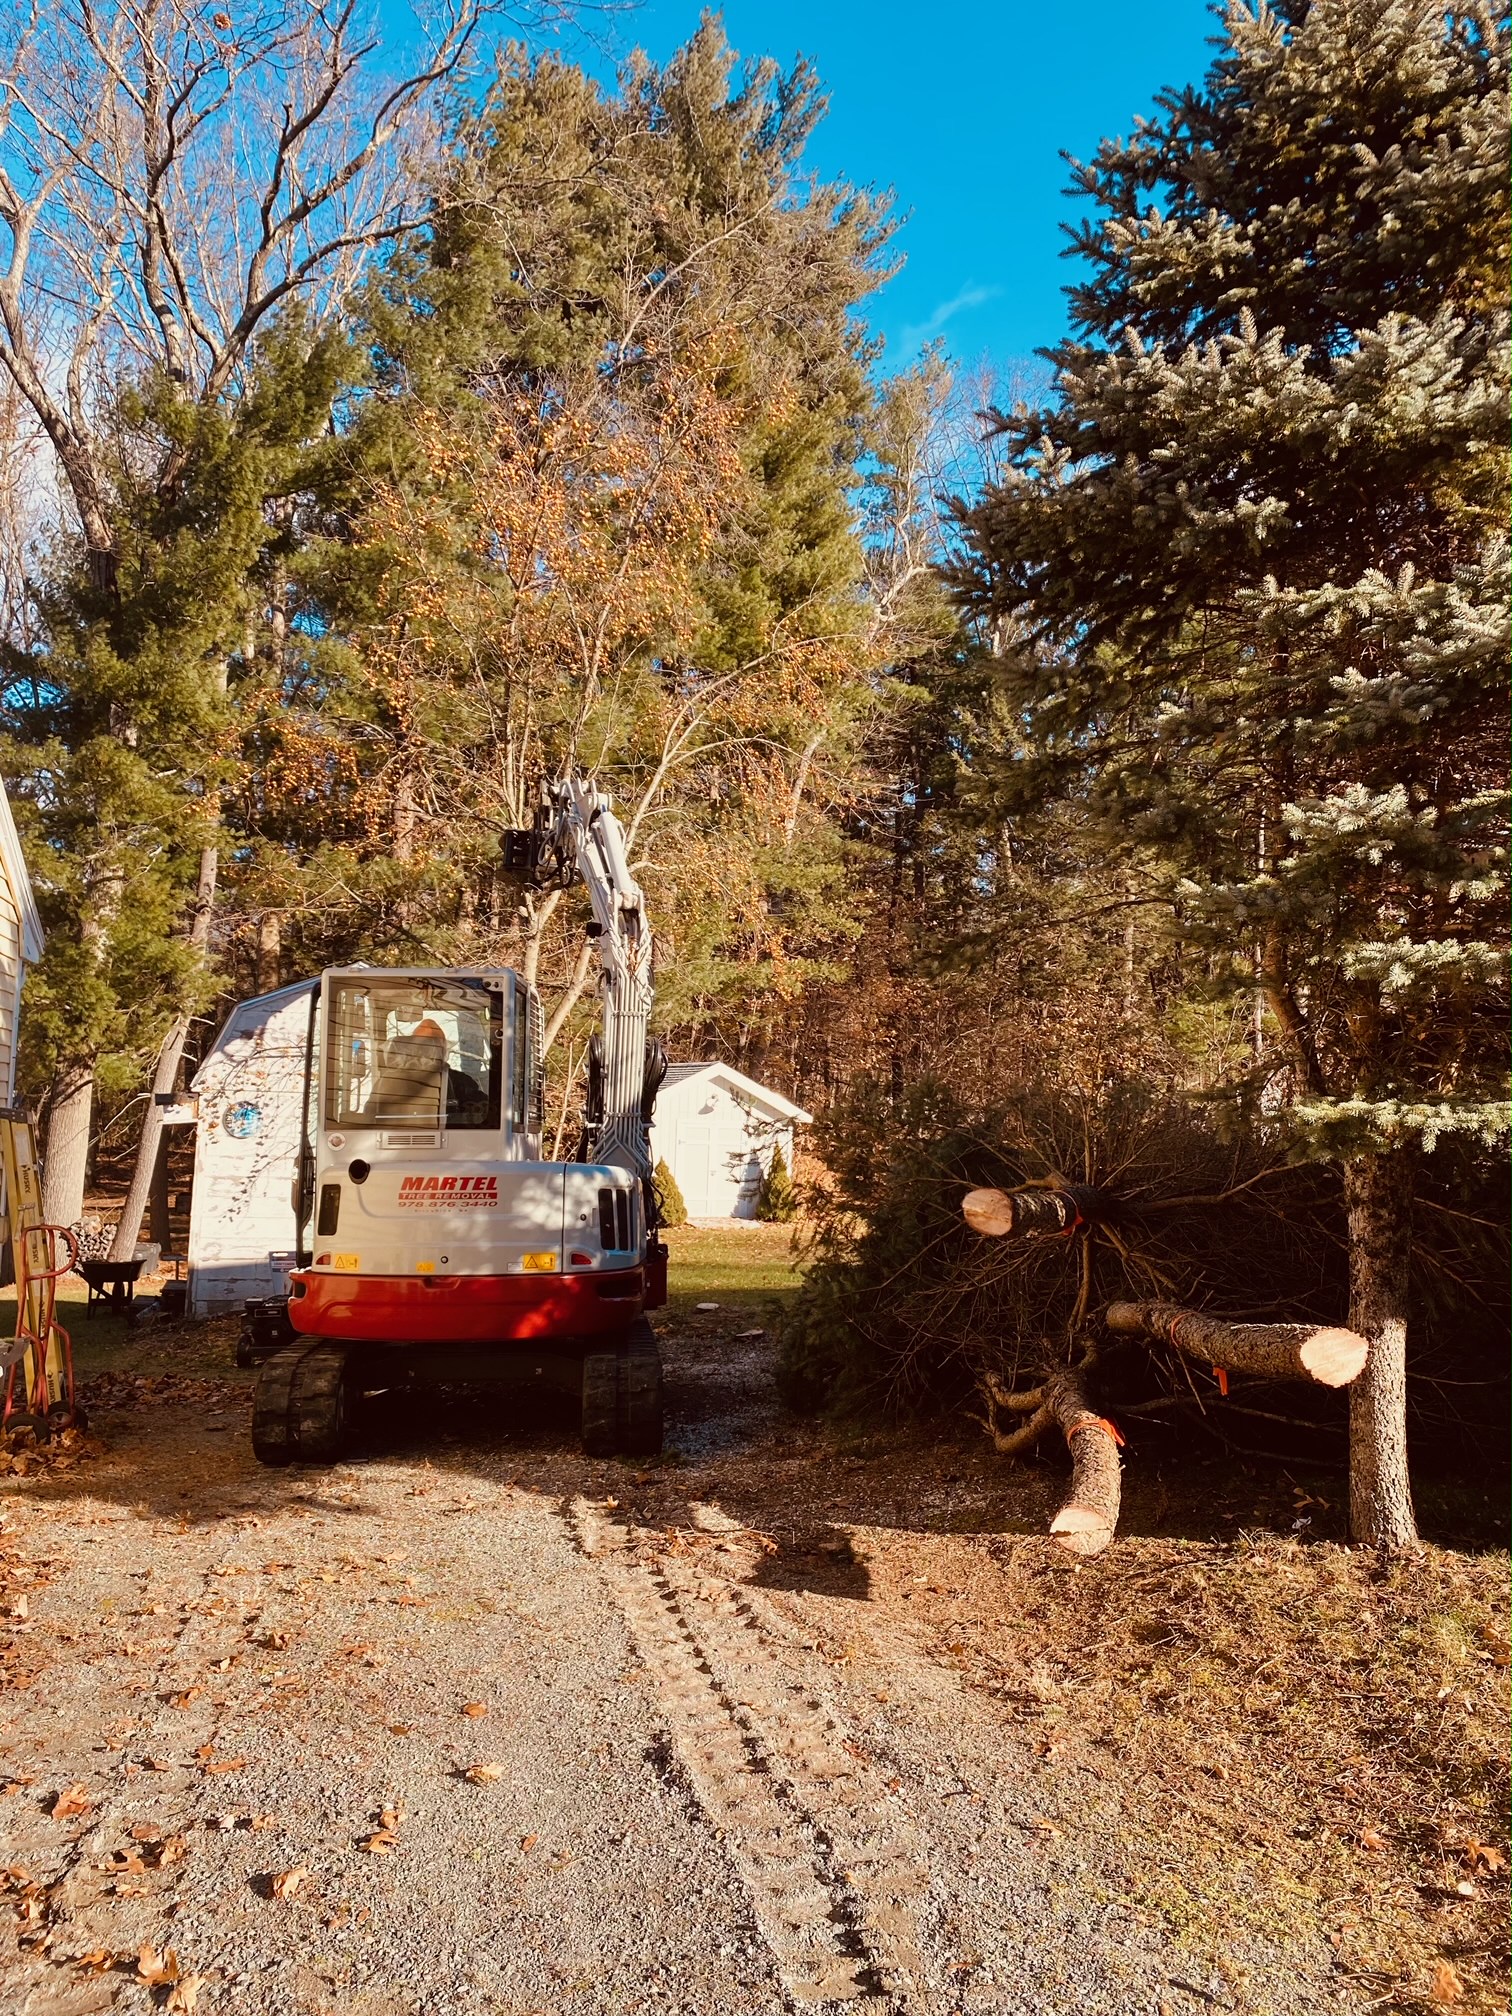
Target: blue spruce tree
x=1249 y=571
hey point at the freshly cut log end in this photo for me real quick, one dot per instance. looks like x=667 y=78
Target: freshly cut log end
x=996 y=1213
x=1335 y=1357
x=1329 y=1356
x=1086 y=1523
x=1081 y=1530
x=989 y=1212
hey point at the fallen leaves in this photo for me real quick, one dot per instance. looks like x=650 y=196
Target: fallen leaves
x=475 y=1710
x=288 y=1881
x=160 y=1850
x=212 y=1765
x=72 y=1800
x=158 y=1969
x=1478 y=1855
x=483 y=1774
x=1446 y=1986
x=385 y=1836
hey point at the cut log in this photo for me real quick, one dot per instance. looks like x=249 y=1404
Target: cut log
x=996 y=1213
x=1087 y=1521
x=1330 y=1357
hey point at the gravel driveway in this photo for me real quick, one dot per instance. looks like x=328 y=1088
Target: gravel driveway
x=471 y=1723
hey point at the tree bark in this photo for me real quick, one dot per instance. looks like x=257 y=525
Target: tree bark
x=1314 y=1351
x=269 y=950
x=1088 y=1518
x=1378 y=1199
x=165 y=1077
x=159 y=1221
x=66 y=1167
x=1087 y=1521
x=996 y=1213
x=576 y=986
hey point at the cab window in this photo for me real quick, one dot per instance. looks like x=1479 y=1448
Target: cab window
x=413 y=1053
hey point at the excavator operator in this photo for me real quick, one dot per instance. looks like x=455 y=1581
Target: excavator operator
x=416 y=1076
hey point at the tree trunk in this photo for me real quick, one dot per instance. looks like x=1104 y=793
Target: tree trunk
x=999 y=1213
x=1316 y=1351
x=1088 y=1519
x=269 y=950
x=159 y=1219
x=66 y=1166
x=165 y=1077
x=1086 y=1523
x=1378 y=1198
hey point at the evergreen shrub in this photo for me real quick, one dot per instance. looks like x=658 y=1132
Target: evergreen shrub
x=904 y=1307
x=777 y=1199
x=674 y=1210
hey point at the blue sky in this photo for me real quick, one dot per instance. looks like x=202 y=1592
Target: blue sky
x=962 y=109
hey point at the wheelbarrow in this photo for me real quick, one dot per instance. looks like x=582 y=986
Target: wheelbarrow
x=114 y=1281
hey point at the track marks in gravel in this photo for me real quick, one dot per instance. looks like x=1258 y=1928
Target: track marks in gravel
x=833 y=1865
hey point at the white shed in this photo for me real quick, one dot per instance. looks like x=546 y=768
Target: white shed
x=248 y=1117
x=715 y=1129
x=20 y=941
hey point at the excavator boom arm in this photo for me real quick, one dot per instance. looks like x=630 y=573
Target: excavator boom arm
x=576 y=832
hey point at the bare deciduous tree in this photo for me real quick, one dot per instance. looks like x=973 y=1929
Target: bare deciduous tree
x=171 y=175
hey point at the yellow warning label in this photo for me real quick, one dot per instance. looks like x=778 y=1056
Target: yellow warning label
x=539 y=1263
x=344 y=1263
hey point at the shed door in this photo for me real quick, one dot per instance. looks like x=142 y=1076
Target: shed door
x=690 y=1165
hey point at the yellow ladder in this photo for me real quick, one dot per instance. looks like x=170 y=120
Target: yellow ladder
x=40 y=1352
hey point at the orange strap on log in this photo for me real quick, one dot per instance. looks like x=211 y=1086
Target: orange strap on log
x=1098 y=1421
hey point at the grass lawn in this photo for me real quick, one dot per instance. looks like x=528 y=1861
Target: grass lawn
x=741 y=1266
x=104 y=1342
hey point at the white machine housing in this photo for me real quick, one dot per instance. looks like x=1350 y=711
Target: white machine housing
x=412 y=1176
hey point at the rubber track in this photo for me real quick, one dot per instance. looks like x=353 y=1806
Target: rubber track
x=316 y=1403
x=640 y=1393
x=622 y=1404
x=834 y=1870
x=272 y=1430
x=292 y=1403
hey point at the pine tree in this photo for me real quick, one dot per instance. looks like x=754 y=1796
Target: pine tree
x=1252 y=566
x=119 y=731
x=619 y=411
x=777 y=1199
x=674 y=1209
